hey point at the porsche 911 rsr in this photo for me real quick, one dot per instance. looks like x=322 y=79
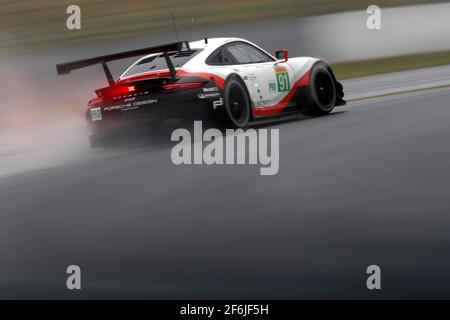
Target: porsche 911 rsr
x=230 y=77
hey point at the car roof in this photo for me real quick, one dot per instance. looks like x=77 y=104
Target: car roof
x=207 y=45
x=210 y=43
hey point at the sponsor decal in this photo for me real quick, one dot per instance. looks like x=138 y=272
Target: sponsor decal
x=141 y=103
x=282 y=76
x=262 y=103
x=211 y=89
x=96 y=114
x=272 y=86
x=208 y=95
x=217 y=103
x=118 y=107
x=131 y=106
x=278 y=68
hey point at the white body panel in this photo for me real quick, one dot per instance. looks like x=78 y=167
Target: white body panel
x=268 y=83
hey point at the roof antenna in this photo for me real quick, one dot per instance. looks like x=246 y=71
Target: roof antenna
x=194 y=32
x=175 y=26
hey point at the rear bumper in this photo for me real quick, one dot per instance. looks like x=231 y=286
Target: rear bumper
x=137 y=109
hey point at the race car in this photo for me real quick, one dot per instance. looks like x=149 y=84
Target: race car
x=230 y=77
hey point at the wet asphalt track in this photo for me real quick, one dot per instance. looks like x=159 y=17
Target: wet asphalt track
x=368 y=184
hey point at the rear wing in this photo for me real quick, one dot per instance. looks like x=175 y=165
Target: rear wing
x=66 y=68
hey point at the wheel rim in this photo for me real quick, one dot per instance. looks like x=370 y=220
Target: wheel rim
x=237 y=104
x=324 y=88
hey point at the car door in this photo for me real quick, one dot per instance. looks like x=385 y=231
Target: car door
x=268 y=81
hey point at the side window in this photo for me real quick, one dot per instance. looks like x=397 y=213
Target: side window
x=221 y=57
x=215 y=59
x=227 y=57
x=245 y=53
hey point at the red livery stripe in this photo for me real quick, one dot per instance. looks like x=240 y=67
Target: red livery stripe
x=266 y=111
x=220 y=82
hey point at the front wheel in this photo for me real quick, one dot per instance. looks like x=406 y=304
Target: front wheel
x=322 y=91
x=237 y=103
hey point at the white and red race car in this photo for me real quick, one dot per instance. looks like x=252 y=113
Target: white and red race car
x=228 y=76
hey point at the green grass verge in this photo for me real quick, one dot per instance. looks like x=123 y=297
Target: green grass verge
x=377 y=66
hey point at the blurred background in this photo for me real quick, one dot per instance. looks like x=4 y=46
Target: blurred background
x=34 y=38
x=369 y=187
x=36 y=25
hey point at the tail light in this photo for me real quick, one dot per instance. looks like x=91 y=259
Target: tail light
x=114 y=91
x=95 y=101
x=182 y=86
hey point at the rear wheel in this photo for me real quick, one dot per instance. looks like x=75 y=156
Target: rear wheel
x=237 y=103
x=322 y=91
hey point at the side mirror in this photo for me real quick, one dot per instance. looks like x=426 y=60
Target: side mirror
x=282 y=55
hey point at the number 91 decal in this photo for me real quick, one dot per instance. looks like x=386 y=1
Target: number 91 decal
x=283 y=84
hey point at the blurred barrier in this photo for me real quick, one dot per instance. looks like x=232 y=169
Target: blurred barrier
x=404 y=30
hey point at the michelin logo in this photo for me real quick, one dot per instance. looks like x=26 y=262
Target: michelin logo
x=208 y=95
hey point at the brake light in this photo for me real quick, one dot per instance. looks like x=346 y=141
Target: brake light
x=95 y=101
x=115 y=91
x=182 y=86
